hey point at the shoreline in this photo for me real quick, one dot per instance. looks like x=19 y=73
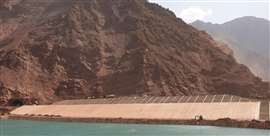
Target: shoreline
x=226 y=122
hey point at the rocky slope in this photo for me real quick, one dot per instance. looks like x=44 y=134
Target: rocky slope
x=69 y=49
x=249 y=39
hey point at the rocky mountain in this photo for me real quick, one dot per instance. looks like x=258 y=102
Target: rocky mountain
x=68 y=49
x=249 y=39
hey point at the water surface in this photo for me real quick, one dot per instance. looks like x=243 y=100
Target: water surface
x=36 y=128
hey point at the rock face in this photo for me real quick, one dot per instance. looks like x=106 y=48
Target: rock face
x=249 y=39
x=67 y=49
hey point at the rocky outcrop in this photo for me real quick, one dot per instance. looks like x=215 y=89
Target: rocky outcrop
x=75 y=49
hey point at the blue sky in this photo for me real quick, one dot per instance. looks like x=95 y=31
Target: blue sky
x=216 y=11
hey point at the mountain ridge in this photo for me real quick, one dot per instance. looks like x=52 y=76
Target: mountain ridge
x=100 y=47
x=249 y=39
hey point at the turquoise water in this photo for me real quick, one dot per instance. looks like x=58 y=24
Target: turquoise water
x=35 y=128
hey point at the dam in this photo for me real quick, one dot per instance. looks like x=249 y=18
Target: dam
x=210 y=107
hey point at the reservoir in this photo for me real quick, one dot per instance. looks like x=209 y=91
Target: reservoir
x=37 y=128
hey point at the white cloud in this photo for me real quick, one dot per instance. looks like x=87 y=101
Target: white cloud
x=195 y=13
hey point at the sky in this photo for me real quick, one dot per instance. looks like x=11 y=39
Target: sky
x=216 y=11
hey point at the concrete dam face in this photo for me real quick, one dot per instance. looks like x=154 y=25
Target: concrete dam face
x=161 y=108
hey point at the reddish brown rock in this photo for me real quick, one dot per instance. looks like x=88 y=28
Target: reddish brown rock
x=76 y=48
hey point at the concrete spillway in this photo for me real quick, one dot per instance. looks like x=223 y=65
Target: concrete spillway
x=175 y=111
